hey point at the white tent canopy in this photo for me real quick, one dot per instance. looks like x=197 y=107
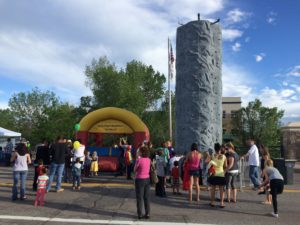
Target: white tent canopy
x=8 y=133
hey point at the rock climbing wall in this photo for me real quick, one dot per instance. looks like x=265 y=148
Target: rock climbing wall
x=198 y=85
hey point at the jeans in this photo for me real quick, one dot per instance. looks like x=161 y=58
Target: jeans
x=142 y=191
x=23 y=176
x=56 y=169
x=68 y=174
x=76 y=180
x=253 y=174
x=128 y=171
x=34 y=185
x=160 y=187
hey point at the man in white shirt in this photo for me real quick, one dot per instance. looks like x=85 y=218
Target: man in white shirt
x=253 y=160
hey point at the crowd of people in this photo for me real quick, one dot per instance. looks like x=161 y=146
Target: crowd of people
x=161 y=167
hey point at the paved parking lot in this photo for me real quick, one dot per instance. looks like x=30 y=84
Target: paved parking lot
x=109 y=200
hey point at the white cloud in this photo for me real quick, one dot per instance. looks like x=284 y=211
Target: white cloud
x=282 y=100
x=231 y=34
x=296 y=87
x=236 y=47
x=259 y=57
x=271 y=18
x=236 y=16
x=52 y=50
x=295 y=71
x=284 y=83
x=237 y=83
x=287 y=93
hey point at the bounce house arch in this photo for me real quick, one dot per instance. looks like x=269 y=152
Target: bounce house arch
x=112 y=120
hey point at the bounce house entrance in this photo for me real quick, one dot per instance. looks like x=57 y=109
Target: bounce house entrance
x=102 y=129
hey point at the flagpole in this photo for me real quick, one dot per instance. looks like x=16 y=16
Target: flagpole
x=169 y=91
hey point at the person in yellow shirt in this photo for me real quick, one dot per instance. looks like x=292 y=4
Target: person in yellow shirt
x=218 y=179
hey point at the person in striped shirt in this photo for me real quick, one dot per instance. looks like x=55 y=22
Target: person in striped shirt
x=41 y=187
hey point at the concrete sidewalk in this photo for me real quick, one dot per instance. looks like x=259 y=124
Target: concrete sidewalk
x=112 y=201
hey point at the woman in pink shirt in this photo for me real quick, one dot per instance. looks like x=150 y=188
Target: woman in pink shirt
x=193 y=158
x=142 y=182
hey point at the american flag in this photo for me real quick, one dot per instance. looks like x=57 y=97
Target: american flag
x=171 y=61
x=171 y=55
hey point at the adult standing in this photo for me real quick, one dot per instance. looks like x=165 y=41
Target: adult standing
x=78 y=151
x=218 y=179
x=193 y=159
x=253 y=160
x=8 y=151
x=273 y=176
x=58 y=151
x=142 y=182
x=21 y=159
x=42 y=153
x=160 y=189
x=232 y=171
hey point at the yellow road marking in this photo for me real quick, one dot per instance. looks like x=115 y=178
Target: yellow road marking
x=83 y=185
x=130 y=186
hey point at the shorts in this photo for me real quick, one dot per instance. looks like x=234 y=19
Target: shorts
x=175 y=182
x=194 y=173
x=217 y=181
x=231 y=180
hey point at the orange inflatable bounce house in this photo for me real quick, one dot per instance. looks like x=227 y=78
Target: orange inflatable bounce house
x=111 y=120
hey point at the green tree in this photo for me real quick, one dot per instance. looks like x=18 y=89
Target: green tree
x=37 y=115
x=136 y=88
x=60 y=120
x=261 y=123
x=7 y=119
x=29 y=108
x=158 y=121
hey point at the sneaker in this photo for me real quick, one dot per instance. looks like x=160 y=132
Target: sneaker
x=60 y=190
x=147 y=217
x=274 y=215
x=23 y=198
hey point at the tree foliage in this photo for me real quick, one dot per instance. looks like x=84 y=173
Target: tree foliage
x=261 y=123
x=7 y=119
x=37 y=115
x=136 y=88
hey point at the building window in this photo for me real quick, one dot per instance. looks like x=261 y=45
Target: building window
x=233 y=114
x=224 y=131
x=224 y=114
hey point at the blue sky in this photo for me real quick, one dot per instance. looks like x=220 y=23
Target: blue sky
x=47 y=44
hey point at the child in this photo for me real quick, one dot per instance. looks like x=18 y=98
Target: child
x=175 y=178
x=94 y=164
x=128 y=162
x=37 y=173
x=41 y=187
x=87 y=163
x=76 y=172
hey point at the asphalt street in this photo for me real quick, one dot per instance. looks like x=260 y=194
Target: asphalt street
x=110 y=200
